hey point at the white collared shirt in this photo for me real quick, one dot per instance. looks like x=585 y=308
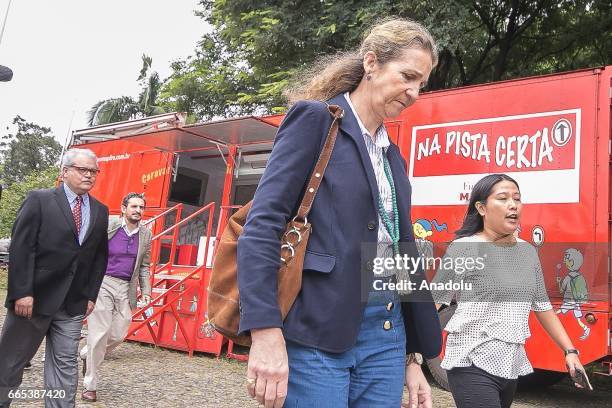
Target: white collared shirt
x=127 y=231
x=377 y=147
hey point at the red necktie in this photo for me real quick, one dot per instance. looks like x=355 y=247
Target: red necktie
x=76 y=213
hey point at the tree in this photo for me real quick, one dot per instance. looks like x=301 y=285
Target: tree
x=256 y=47
x=209 y=84
x=244 y=64
x=13 y=196
x=509 y=39
x=29 y=160
x=30 y=150
x=125 y=107
x=112 y=110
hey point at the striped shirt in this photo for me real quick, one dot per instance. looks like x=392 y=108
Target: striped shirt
x=377 y=146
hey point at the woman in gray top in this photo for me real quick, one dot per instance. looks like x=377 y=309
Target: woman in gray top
x=501 y=282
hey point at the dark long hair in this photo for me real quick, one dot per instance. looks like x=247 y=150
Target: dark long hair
x=473 y=222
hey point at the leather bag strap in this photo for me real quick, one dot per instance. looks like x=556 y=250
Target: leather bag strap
x=319 y=169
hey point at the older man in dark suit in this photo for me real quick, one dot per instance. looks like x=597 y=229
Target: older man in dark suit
x=57 y=259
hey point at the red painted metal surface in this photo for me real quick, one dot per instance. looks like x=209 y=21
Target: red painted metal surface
x=127 y=166
x=552 y=135
x=187 y=254
x=235 y=356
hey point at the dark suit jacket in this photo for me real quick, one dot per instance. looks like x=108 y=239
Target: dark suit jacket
x=46 y=260
x=328 y=311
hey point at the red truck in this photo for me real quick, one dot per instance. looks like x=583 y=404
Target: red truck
x=551 y=133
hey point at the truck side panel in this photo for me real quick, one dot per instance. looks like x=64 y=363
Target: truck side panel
x=125 y=167
x=551 y=135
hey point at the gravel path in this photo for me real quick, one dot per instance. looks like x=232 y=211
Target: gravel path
x=138 y=375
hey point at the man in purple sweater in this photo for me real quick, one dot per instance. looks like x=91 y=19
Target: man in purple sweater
x=129 y=254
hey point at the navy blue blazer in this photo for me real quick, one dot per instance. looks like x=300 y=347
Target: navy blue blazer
x=328 y=311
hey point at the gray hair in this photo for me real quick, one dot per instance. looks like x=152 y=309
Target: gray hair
x=71 y=154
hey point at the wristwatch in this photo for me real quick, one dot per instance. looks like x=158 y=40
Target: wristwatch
x=414 y=358
x=572 y=351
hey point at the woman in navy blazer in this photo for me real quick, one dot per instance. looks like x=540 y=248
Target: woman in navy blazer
x=340 y=345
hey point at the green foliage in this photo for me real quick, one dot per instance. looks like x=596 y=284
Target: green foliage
x=209 y=83
x=112 y=110
x=125 y=107
x=29 y=160
x=13 y=196
x=256 y=47
x=30 y=150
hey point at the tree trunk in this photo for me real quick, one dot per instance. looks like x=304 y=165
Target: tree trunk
x=439 y=78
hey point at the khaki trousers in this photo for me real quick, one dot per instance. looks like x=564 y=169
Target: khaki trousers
x=107 y=327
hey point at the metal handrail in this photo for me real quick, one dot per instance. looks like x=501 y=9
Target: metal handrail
x=169 y=210
x=222 y=217
x=156 y=242
x=176 y=226
x=174 y=229
x=155 y=300
x=204 y=264
x=223 y=220
x=168 y=300
x=185 y=220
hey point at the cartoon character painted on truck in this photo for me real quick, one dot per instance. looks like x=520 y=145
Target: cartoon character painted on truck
x=423 y=229
x=573 y=288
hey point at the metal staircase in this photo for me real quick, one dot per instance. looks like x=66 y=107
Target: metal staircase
x=176 y=316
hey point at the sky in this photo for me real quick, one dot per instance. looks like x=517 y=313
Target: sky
x=66 y=55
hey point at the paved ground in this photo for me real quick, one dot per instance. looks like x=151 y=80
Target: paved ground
x=142 y=376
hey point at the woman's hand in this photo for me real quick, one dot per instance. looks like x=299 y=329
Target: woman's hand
x=573 y=363
x=419 y=391
x=550 y=322
x=268 y=369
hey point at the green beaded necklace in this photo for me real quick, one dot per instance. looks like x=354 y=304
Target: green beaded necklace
x=392 y=228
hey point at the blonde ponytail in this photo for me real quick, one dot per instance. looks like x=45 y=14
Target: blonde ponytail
x=342 y=72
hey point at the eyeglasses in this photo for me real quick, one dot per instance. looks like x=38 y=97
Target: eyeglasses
x=84 y=171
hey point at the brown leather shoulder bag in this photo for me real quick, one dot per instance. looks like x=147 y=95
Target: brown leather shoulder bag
x=223 y=295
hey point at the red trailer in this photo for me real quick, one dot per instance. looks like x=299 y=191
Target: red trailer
x=551 y=133
x=193 y=177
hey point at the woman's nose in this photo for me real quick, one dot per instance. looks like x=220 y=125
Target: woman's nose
x=413 y=93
